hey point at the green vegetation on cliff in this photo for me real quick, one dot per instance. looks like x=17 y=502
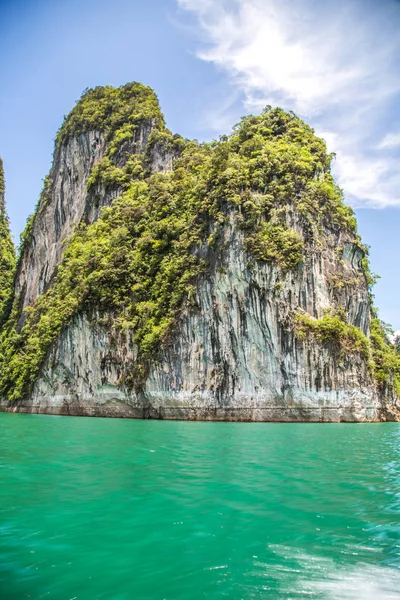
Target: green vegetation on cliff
x=333 y=331
x=141 y=259
x=7 y=254
x=386 y=357
x=115 y=112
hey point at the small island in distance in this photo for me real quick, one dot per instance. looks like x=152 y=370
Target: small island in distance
x=164 y=278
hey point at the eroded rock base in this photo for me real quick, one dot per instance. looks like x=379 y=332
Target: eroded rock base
x=274 y=414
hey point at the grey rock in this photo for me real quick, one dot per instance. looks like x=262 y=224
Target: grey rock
x=235 y=356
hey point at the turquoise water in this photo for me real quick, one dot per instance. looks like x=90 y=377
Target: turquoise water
x=123 y=509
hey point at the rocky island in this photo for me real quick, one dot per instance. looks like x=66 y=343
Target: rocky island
x=163 y=278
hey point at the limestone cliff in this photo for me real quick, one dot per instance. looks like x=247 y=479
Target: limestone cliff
x=161 y=278
x=7 y=254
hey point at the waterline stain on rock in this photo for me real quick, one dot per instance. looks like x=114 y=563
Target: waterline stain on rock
x=162 y=278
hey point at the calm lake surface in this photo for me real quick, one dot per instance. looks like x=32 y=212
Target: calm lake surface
x=131 y=510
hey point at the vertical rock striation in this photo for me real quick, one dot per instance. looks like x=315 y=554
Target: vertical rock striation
x=167 y=279
x=61 y=208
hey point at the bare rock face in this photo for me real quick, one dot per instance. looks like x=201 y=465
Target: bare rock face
x=58 y=214
x=233 y=353
x=233 y=359
x=67 y=202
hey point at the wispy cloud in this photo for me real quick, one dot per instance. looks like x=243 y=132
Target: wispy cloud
x=391 y=140
x=334 y=63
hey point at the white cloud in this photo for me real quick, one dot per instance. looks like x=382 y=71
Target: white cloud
x=391 y=140
x=334 y=63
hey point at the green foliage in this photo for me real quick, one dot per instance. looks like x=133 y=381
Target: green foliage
x=139 y=261
x=278 y=157
x=323 y=194
x=135 y=261
x=104 y=172
x=275 y=242
x=108 y=109
x=385 y=356
x=27 y=234
x=2 y=185
x=7 y=254
x=371 y=278
x=338 y=282
x=165 y=139
x=333 y=330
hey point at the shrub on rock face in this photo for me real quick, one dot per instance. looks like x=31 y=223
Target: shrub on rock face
x=344 y=338
x=140 y=261
x=7 y=254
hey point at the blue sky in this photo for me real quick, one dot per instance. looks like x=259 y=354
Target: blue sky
x=336 y=63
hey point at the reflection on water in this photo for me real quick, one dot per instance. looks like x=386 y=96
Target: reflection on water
x=376 y=583
x=118 y=509
x=318 y=577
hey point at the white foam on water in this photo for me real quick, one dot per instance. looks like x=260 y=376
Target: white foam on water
x=362 y=583
x=329 y=580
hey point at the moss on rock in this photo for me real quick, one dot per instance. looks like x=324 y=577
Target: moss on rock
x=140 y=262
x=110 y=110
x=7 y=254
x=333 y=330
